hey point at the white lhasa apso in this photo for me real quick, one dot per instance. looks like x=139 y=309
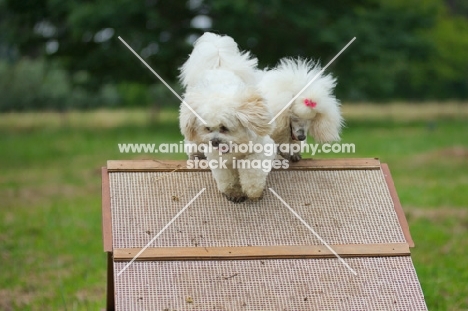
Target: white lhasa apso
x=315 y=110
x=221 y=88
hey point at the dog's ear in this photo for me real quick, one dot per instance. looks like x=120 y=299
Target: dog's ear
x=188 y=123
x=254 y=115
x=283 y=123
x=326 y=127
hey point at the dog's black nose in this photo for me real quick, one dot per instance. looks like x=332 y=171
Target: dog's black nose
x=215 y=142
x=301 y=137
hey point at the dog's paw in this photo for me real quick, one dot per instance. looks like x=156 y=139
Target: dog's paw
x=235 y=198
x=296 y=157
x=256 y=199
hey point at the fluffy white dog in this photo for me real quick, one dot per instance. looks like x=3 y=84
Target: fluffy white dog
x=221 y=88
x=316 y=110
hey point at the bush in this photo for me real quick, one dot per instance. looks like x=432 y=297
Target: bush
x=41 y=85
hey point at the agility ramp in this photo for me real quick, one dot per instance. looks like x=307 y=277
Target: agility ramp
x=217 y=255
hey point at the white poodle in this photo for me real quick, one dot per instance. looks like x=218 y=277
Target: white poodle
x=221 y=88
x=315 y=110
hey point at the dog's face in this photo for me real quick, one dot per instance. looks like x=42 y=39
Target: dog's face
x=235 y=120
x=322 y=120
x=299 y=127
x=219 y=131
x=302 y=112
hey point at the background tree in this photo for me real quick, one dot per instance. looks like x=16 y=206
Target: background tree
x=405 y=49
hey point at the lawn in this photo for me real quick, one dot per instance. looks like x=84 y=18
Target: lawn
x=51 y=254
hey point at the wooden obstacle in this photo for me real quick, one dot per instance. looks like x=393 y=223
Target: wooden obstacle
x=218 y=255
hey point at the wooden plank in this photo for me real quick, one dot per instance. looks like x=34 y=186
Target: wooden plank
x=336 y=164
x=397 y=205
x=181 y=165
x=261 y=252
x=148 y=165
x=106 y=211
x=110 y=294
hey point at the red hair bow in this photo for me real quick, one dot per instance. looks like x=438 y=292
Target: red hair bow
x=310 y=103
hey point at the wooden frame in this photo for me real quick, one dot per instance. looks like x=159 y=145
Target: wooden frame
x=261 y=252
x=110 y=297
x=180 y=165
x=245 y=253
x=106 y=211
x=397 y=205
x=107 y=238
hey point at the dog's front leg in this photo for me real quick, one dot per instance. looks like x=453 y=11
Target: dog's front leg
x=253 y=180
x=293 y=153
x=227 y=180
x=295 y=148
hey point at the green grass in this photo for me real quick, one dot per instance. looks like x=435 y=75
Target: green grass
x=51 y=254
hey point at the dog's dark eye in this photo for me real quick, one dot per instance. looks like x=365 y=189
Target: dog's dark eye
x=224 y=129
x=208 y=129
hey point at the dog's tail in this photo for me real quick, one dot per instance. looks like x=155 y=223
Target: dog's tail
x=213 y=51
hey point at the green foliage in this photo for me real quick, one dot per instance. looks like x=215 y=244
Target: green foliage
x=139 y=95
x=405 y=49
x=451 y=58
x=80 y=29
x=442 y=73
x=41 y=85
x=389 y=38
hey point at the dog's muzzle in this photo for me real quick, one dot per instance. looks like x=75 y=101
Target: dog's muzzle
x=215 y=142
x=300 y=137
x=219 y=145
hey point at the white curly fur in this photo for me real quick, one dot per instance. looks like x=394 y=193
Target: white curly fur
x=220 y=86
x=279 y=85
x=212 y=51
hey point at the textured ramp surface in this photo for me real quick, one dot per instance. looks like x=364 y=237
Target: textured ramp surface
x=386 y=283
x=343 y=207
